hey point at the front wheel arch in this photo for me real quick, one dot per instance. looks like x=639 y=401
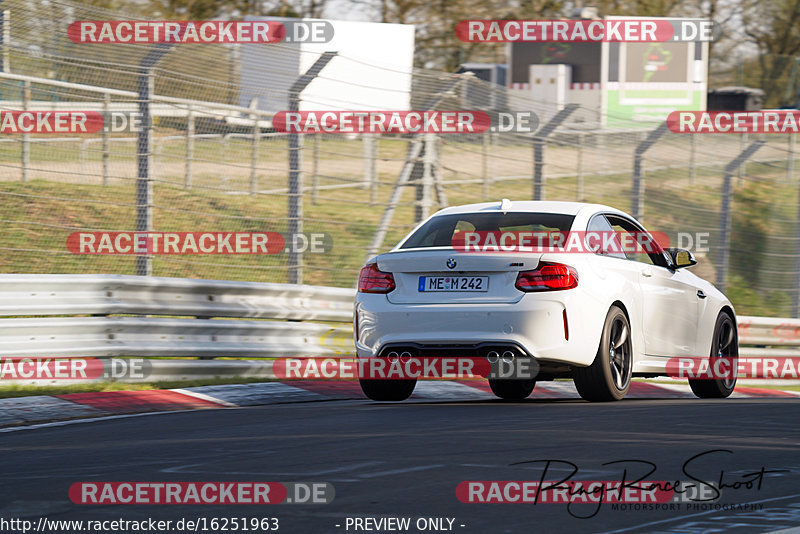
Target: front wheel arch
x=719 y=388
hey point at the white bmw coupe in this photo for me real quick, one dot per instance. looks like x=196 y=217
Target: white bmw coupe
x=590 y=302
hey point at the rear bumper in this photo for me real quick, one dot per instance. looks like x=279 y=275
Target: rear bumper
x=535 y=324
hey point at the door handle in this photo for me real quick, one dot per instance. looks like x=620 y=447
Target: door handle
x=701 y=294
x=647 y=272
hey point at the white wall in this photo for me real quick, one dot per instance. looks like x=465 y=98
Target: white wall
x=372 y=70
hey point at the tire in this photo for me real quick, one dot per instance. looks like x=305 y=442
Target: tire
x=724 y=344
x=388 y=390
x=512 y=389
x=608 y=378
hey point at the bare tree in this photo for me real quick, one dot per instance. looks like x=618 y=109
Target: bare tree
x=774 y=27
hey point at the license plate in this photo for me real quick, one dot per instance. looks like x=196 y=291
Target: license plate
x=453 y=283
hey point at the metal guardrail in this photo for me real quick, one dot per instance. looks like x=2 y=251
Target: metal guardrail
x=101 y=296
x=769 y=337
x=76 y=294
x=277 y=319
x=149 y=336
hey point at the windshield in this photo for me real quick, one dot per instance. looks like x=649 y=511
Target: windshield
x=440 y=231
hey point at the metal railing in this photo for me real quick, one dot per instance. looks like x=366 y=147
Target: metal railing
x=277 y=317
x=769 y=337
x=125 y=316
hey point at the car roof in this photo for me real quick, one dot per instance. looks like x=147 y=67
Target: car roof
x=531 y=206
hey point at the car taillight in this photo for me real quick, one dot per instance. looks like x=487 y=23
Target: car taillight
x=371 y=280
x=547 y=277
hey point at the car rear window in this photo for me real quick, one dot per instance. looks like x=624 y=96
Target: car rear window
x=439 y=231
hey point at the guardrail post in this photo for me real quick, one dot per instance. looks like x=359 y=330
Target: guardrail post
x=187 y=180
x=26 y=138
x=106 y=117
x=637 y=192
x=539 y=140
x=725 y=214
x=295 y=212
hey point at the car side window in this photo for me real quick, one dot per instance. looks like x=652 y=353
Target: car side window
x=638 y=244
x=601 y=236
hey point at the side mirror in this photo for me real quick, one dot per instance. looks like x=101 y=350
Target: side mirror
x=681 y=258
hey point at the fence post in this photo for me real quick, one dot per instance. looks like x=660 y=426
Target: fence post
x=106 y=116
x=414 y=152
x=741 y=170
x=82 y=155
x=411 y=169
x=295 y=211
x=158 y=149
x=187 y=180
x=436 y=172
x=417 y=178
x=796 y=293
x=580 y=167
x=538 y=148
x=485 y=164
x=5 y=36
x=637 y=192
x=725 y=214
x=26 y=138
x=314 y=168
x=370 y=166
x=254 y=149
x=426 y=188
x=144 y=184
x=144 y=152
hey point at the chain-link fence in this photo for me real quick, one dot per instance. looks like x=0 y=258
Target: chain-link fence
x=212 y=164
